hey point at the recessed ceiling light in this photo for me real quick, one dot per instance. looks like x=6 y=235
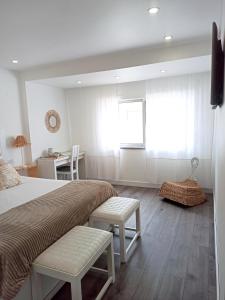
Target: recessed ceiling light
x=153 y=10
x=15 y=61
x=163 y=71
x=168 y=37
x=79 y=82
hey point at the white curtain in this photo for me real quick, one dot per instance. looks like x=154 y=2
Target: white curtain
x=179 y=126
x=179 y=120
x=99 y=121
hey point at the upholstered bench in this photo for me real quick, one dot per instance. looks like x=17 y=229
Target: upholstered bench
x=116 y=211
x=70 y=258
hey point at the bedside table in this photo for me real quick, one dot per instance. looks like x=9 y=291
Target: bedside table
x=27 y=170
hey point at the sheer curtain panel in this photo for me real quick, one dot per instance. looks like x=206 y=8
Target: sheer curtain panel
x=95 y=128
x=179 y=119
x=179 y=126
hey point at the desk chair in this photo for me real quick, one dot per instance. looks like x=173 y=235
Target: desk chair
x=72 y=168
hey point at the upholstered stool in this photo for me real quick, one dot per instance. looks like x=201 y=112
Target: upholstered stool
x=116 y=211
x=70 y=258
x=186 y=192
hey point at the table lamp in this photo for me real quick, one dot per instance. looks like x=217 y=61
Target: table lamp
x=20 y=142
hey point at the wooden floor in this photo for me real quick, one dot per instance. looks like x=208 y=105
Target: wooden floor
x=173 y=260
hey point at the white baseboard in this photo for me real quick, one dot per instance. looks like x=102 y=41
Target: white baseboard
x=144 y=184
x=135 y=183
x=216 y=255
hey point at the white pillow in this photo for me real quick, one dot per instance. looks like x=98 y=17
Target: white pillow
x=8 y=176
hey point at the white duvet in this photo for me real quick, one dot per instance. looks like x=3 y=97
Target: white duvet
x=29 y=189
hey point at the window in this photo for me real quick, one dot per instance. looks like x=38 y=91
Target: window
x=132 y=123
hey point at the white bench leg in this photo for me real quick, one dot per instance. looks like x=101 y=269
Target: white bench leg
x=110 y=270
x=36 y=286
x=110 y=261
x=112 y=228
x=123 y=257
x=138 y=221
x=76 y=290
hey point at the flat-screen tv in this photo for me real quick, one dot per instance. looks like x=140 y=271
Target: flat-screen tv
x=217 y=70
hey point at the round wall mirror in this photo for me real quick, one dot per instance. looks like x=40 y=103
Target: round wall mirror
x=52 y=121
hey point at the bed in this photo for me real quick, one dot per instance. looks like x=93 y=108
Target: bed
x=30 y=189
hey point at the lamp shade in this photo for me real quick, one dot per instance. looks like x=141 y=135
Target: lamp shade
x=20 y=141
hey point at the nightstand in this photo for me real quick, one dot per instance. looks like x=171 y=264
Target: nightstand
x=27 y=170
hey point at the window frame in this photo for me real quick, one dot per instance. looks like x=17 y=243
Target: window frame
x=136 y=145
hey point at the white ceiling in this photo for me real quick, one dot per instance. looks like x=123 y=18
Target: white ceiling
x=172 y=68
x=40 y=32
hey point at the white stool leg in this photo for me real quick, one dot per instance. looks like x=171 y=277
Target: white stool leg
x=110 y=261
x=36 y=286
x=113 y=228
x=76 y=290
x=138 y=221
x=122 y=243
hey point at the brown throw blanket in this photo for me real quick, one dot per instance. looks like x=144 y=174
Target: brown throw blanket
x=27 y=230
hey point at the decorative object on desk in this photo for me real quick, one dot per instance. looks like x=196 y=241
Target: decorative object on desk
x=52 y=121
x=50 y=151
x=55 y=155
x=194 y=166
x=21 y=142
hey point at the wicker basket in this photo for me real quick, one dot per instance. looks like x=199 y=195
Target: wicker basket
x=186 y=192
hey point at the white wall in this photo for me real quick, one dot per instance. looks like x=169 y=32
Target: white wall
x=121 y=59
x=40 y=99
x=219 y=186
x=135 y=166
x=11 y=119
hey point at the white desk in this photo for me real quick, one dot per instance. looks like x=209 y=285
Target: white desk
x=47 y=166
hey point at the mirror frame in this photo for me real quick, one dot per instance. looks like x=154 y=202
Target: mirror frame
x=52 y=113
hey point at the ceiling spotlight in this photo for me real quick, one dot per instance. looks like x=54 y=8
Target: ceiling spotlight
x=15 y=61
x=168 y=37
x=79 y=82
x=153 y=10
x=163 y=71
